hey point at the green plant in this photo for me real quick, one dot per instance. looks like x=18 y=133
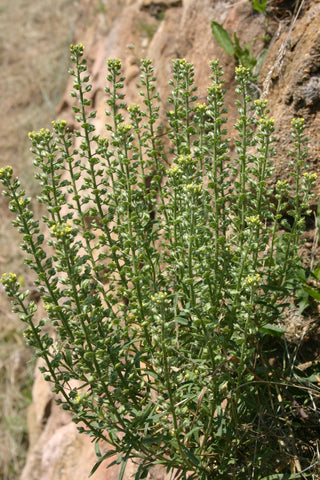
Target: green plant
x=259 y=5
x=166 y=284
x=308 y=277
x=308 y=287
x=242 y=55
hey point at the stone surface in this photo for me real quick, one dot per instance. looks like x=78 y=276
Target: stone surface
x=291 y=72
x=290 y=77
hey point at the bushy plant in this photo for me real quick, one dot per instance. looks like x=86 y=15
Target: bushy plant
x=168 y=273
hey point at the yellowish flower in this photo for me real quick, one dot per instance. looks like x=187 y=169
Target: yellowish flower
x=253 y=220
x=193 y=187
x=59 y=124
x=114 y=63
x=310 y=177
x=173 y=170
x=260 y=103
x=282 y=184
x=266 y=122
x=8 y=279
x=81 y=398
x=61 y=230
x=297 y=122
x=252 y=280
x=124 y=128
x=6 y=172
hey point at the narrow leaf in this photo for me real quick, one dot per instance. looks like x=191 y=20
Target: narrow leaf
x=123 y=466
x=110 y=453
x=282 y=476
x=191 y=456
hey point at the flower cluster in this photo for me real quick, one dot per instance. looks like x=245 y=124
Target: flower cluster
x=81 y=398
x=59 y=126
x=260 y=103
x=62 y=230
x=124 y=129
x=200 y=108
x=159 y=297
x=252 y=280
x=77 y=49
x=10 y=283
x=114 y=63
x=242 y=71
x=42 y=135
x=253 y=220
x=185 y=160
x=297 y=123
x=193 y=187
x=6 y=172
x=282 y=185
x=8 y=279
x=215 y=89
x=267 y=122
x=310 y=177
x=173 y=171
x=134 y=109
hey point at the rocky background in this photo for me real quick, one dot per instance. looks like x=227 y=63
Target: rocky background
x=287 y=37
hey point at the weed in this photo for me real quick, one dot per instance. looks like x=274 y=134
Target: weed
x=259 y=5
x=241 y=54
x=166 y=286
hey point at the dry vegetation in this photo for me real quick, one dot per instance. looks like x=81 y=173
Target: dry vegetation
x=34 y=39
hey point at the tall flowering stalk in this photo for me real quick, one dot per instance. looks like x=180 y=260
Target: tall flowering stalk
x=165 y=283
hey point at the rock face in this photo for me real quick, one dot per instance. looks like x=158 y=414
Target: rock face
x=162 y=30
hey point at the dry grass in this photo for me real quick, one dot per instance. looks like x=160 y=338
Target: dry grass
x=34 y=39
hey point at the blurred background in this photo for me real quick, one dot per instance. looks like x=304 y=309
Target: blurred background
x=34 y=54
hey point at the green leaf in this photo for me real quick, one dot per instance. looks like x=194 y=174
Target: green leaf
x=302 y=299
x=282 y=476
x=273 y=330
x=314 y=378
x=181 y=320
x=141 y=473
x=223 y=38
x=260 y=5
x=191 y=456
x=221 y=421
x=68 y=357
x=313 y=292
x=123 y=466
x=316 y=272
x=151 y=440
x=110 y=453
x=192 y=432
x=97 y=449
x=243 y=54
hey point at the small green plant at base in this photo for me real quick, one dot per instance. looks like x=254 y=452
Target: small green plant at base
x=308 y=287
x=167 y=278
x=259 y=5
x=308 y=290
